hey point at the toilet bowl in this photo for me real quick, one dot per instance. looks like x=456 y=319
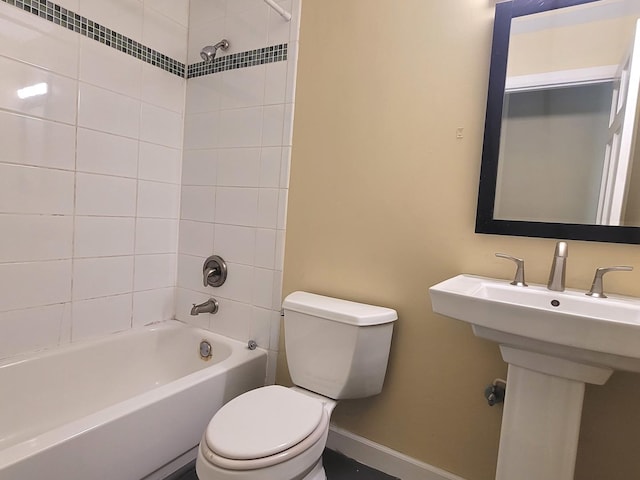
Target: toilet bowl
x=335 y=349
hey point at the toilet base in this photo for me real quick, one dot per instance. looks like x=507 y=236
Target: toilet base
x=317 y=473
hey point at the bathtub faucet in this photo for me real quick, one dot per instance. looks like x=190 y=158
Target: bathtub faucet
x=210 y=306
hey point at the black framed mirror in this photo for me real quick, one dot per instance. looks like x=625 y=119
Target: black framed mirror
x=525 y=188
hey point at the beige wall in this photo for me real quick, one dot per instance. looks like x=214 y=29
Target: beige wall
x=382 y=205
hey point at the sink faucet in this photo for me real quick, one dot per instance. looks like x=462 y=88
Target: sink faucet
x=210 y=306
x=558 y=267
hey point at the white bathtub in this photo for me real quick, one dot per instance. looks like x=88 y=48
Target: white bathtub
x=117 y=408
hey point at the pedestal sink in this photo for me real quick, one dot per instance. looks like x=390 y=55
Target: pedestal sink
x=554 y=343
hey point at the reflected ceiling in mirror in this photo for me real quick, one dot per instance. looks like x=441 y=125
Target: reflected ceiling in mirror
x=559 y=144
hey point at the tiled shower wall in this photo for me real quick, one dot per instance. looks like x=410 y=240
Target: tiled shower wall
x=89 y=173
x=237 y=148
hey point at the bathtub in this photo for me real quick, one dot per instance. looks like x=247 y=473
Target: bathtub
x=117 y=408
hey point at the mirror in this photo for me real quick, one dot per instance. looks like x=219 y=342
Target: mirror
x=559 y=156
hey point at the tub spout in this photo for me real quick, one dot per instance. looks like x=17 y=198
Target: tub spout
x=210 y=306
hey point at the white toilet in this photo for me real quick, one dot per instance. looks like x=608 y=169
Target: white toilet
x=336 y=349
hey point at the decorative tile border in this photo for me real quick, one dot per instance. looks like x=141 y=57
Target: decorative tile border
x=77 y=23
x=260 y=56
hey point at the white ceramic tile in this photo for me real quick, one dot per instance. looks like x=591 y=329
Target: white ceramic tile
x=270 y=160
x=250 y=27
x=239 y=167
x=236 y=206
x=265 y=248
x=17 y=284
x=65 y=325
x=35 y=190
x=232 y=320
x=292 y=71
x=273 y=125
x=164 y=34
x=202 y=130
x=154 y=271
x=244 y=87
x=198 y=203
x=241 y=127
x=276 y=325
x=158 y=200
x=279 y=28
x=105 y=196
x=260 y=327
x=201 y=12
x=35 y=237
x=277 y=290
x=285 y=169
x=103 y=236
x=99 y=152
x=199 y=167
x=282 y=208
x=161 y=126
x=162 y=88
x=101 y=316
x=73 y=5
x=178 y=10
x=22 y=37
x=32 y=141
x=103 y=110
x=238 y=286
x=39 y=93
x=106 y=67
x=123 y=16
x=236 y=7
x=190 y=274
x=101 y=277
x=209 y=34
x=235 y=244
x=156 y=235
x=272 y=365
x=263 y=287
x=268 y=208
x=275 y=82
x=280 y=242
x=159 y=163
x=153 y=306
x=30 y=329
x=196 y=238
x=287 y=130
x=203 y=93
x=184 y=300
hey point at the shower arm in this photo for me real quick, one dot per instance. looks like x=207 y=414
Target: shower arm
x=283 y=13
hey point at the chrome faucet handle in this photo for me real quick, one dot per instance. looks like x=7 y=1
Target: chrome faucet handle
x=519 y=276
x=597 y=286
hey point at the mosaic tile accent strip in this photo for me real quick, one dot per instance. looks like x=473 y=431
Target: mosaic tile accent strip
x=82 y=25
x=260 y=56
x=77 y=23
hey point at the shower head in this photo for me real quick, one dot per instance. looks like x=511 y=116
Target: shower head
x=208 y=53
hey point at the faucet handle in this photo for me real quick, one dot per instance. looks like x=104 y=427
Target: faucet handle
x=519 y=277
x=597 y=286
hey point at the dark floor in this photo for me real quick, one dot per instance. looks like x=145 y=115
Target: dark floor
x=337 y=466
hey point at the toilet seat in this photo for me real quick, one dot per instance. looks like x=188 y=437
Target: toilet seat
x=284 y=424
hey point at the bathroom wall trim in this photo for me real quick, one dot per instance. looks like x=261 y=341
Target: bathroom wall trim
x=383 y=458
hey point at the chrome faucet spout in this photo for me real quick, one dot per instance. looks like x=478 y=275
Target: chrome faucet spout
x=210 y=306
x=558 y=267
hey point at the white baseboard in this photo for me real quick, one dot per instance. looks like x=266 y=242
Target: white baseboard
x=383 y=458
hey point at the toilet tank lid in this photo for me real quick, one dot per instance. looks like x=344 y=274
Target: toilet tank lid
x=338 y=310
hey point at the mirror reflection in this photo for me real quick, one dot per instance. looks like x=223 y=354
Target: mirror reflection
x=567 y=136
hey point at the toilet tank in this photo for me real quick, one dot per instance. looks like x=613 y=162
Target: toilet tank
x=337 y=348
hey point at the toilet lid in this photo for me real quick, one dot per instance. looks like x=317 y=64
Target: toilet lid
x=263 y=422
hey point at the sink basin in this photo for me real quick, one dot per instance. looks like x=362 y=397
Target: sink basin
x=598 y=331
x=554 y=343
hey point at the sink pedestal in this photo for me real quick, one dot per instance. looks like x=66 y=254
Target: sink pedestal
x=541 y=418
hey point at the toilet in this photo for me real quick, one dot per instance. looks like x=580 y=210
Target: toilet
x=336 y=349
